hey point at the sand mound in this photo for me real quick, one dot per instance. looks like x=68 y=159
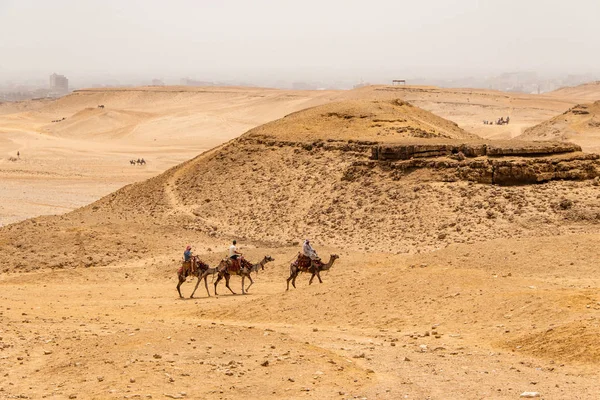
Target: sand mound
x=362 y=120
x=321 y=174
x=277 y=184
x=586 y=92
x=580 y=124
x=98 y=123
x=14 y=107
x=583 y=119
x=576 y=341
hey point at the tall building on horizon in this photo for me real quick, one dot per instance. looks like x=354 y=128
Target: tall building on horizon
x=59 y=84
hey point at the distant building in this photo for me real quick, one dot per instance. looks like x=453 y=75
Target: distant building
x=157 y=82
x=59 y=85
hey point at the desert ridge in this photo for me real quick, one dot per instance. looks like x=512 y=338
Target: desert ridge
x=464 y=265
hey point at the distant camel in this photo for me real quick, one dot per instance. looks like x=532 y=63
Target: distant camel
x=101 y=106
x=196 y=268
x=226 y=269
x=132 y=162
x=305 y=264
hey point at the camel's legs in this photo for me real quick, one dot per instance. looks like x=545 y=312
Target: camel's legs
x=205 y=275
x=217 y=282
x=243 y=279
x=227 y=277
x=293 y=274
x=197 y=283
x=311 y=278
x=319 y=276
x=251 y=283
x=181 y=280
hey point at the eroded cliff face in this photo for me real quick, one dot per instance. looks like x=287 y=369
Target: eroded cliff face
x=500 y=163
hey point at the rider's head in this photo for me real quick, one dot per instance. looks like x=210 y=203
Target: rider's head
x=188 y=247
x=234 y=242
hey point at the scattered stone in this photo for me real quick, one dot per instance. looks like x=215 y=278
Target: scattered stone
x=157 y=356
x=530 y=395
x=265 y=363
x=100 y=378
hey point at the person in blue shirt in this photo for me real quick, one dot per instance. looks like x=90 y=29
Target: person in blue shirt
x=187 y=254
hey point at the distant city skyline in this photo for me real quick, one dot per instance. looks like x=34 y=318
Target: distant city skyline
x=264 y=42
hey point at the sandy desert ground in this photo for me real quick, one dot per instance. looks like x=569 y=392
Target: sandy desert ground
x=444 y=289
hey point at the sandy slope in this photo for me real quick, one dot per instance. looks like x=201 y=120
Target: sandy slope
x=469 y=322
x=585 y=93
x=87 y=154
x=580 y=124
x=443 y=290
x=167 y=125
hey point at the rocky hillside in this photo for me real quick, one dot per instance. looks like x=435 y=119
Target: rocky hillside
x=576 y=123
x=587 y=92
x=385 y=120
x=335 y=184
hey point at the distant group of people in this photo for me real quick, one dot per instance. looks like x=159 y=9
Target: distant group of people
x=139 y=161
x=499 y=121
x=235 y=254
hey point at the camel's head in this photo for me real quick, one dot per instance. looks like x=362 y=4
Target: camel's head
x=334 y=257
x=266 y=260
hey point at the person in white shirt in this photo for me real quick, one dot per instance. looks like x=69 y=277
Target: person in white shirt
x=308 y=251
x=234 y=254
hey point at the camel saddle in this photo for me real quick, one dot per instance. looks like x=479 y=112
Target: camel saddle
x=303 y=262
x=188 y=267
x=234 y=266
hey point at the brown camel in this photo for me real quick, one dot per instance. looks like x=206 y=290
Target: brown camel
x=226 y=269
x=197 y=269
x=305 y=264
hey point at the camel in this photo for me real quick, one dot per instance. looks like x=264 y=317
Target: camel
x=198 y=269
x=314 y=267
x=225 y=270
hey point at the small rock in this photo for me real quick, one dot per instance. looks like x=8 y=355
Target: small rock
x=47 y=352
x=131 y=380
x=406 y=359
x=530 y=395
x=100 y=378
x=265 y=363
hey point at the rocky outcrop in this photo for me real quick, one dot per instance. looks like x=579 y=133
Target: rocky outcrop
x=388 y=152
x=492 y=170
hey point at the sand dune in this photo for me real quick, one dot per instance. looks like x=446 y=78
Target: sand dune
x=587 y=92
x=445 y=288
x=92 y=147
x=580 y=124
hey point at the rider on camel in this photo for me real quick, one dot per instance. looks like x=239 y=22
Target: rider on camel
x=309 y=252
x=234 y=255
x=187 y=260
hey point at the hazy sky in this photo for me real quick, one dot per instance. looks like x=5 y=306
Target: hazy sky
x=227 y=39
